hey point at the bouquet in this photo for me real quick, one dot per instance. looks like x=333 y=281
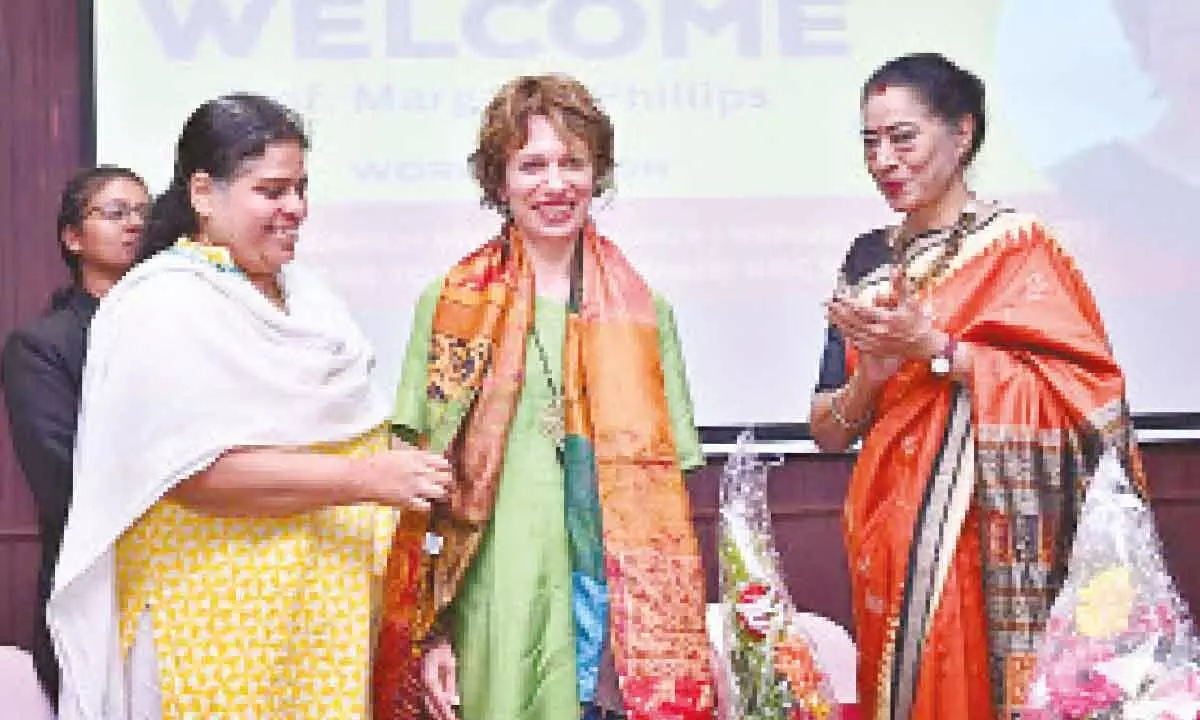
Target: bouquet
x=1119 y=642
x=768 y=665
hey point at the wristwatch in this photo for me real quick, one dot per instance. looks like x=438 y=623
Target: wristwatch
x=942 y=363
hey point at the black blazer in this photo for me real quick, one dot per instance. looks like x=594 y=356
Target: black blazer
x=41 y=371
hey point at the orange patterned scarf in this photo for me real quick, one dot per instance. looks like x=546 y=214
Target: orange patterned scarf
x=617 y=412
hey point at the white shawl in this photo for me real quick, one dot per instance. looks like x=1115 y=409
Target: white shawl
x=185 y=362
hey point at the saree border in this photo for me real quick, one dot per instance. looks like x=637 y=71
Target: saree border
x=937 y=530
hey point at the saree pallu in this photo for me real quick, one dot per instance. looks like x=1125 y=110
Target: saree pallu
x=619 y=459
x=962 y=504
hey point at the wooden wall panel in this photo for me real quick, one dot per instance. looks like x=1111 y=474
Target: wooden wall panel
x=40 y=131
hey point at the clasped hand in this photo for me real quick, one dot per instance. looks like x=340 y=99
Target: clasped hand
x=887 y=330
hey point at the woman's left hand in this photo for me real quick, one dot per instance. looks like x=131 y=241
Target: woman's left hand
x=896 y=326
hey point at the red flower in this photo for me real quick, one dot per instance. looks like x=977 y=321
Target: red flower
x=755 y=609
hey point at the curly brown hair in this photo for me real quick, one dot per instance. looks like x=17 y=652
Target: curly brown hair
x=570 y=108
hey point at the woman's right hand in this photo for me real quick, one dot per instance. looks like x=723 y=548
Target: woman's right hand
x=405 y=476
x=853 y=319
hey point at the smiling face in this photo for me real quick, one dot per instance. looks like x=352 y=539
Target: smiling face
x=106 y=238
x=256 y=214
x=913 y=155
x=549 y=183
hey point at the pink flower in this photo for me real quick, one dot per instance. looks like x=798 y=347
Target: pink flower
x=1157 y=618
x=1089 y=693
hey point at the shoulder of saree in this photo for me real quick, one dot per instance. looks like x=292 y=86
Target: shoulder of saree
x=1017 y=251
x=1004 y=228
x=1021 y=302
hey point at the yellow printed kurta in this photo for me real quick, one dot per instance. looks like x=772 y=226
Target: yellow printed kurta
x=258 y=617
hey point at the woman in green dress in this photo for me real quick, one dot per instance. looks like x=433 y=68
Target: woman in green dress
x=563 y=577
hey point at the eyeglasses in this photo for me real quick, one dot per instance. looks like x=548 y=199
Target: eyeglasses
x=118 y=210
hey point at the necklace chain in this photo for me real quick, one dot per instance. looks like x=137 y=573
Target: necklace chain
x=554 y=421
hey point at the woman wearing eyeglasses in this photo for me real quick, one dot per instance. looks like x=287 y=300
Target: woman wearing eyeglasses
x=100 y=218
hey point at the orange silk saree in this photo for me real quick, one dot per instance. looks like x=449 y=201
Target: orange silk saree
x=961 y=507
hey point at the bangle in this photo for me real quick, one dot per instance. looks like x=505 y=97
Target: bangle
x=841 y=419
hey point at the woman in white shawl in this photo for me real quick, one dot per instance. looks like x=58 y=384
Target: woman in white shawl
x=234 y=489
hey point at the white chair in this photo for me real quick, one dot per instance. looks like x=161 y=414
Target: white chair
x=835 y=649
x=21 y=695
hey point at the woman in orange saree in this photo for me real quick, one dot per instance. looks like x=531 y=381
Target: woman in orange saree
x=966 y=351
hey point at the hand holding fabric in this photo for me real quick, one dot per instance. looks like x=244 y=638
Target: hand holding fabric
x=405 y=476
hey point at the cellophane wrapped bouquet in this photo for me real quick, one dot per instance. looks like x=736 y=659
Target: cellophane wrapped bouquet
x=769 y=666
x=1119 y=643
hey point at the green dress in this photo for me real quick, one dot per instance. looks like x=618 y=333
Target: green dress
x=514 y=631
